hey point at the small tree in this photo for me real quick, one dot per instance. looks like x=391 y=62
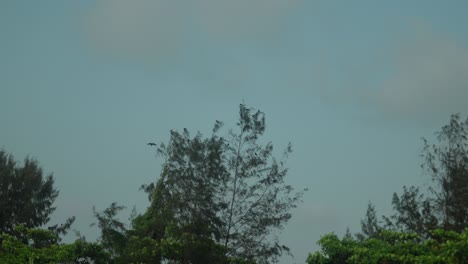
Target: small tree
x=113 y=232
x=369 y=225
x=413 y=213
x=230 y=191
x=447 y=163
x=26 y=195
x=26 y=202
x=446 y=203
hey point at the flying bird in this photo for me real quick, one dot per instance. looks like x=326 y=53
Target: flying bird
x=151 y=144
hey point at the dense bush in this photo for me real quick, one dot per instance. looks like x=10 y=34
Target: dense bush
x=444 y=247
x=34 y=246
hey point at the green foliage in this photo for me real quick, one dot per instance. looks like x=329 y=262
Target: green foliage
x=422 y=229
x=227 y=190
x=413 y=213
x=188 y=247
x=217 y=200
x=113 y=236
x=369 y=225
x=391 y=247
x=447 y=163
x=446 y=204
x=40 y=247
x=26 y=196
x=334 y=250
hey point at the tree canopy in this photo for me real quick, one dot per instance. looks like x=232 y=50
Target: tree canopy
x=219 y=199
x=430 y=227
x=26 y=194
x=26 y=202
x=32 y=245
x=447 y=163
x=389 y=247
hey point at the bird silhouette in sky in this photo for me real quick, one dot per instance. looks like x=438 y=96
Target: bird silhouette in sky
x=151 y=144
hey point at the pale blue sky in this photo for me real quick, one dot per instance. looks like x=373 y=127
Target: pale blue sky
x=354 y=85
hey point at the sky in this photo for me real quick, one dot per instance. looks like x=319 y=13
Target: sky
x=353 y=85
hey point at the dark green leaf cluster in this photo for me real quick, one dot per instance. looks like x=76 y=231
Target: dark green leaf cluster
x=389 y=247
x=41 y=247
x=369 y=225
x=26 y=195
x=112 y=230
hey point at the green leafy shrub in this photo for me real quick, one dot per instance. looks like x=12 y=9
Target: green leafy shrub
x=390 y=247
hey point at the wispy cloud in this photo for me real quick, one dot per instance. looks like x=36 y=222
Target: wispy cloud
x=429 y=76
x=141 y=27
x=160 y=27
x=422 y=73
